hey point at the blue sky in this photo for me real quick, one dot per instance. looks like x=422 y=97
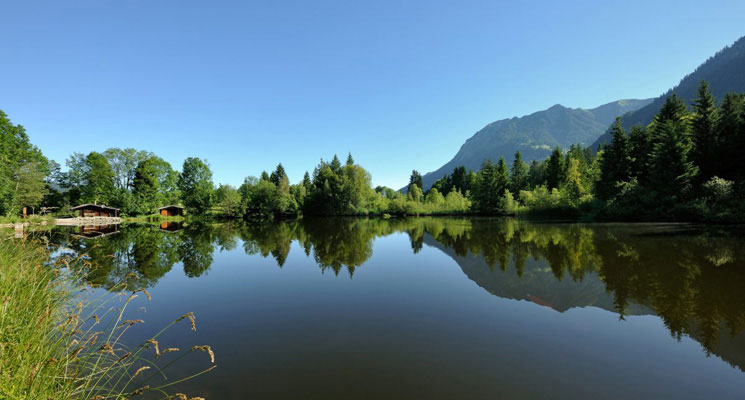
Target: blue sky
x=400 y=84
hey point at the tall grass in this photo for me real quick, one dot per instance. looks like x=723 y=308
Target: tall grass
x=58 y=342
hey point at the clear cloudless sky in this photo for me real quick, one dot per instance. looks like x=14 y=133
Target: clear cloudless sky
x=400 y=84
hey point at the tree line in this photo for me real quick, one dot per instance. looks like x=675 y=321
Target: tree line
x=684 y=165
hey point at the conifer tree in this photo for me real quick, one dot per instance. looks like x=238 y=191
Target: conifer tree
x=616 y=162
x=350 y=160
x=731 y=136
x=674 y=109
x=536 y=174
x=460 y=179
x=704 y=136
x=501 y=178
x=518 y=175
x=278 y=175
x=672 y=170
x=306 y=180
x=640 y=151
x=335 y=164
x=555 y=169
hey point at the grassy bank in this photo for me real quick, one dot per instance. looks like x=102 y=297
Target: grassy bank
x=34 y=300
x=56 y=343
x=33 y=219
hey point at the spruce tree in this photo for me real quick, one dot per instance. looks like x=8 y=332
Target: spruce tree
x=335 y=164
x=306 y=180
x=672 y=170
x=501 y=179
x=704 y=136
x=615 y=166
x=460 y=179
x=278 y=175
x=674 y=109
x=536 y=174
x=483 y=199
x=350 y=160
x=555 y=169
x=518 y=175
x=640 y=151
x=730 y=136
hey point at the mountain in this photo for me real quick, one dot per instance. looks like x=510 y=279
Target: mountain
x=725 y=72
x=537 y=284
x=535 y=135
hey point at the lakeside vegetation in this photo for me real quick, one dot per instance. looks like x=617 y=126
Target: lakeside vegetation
x=684 y=166
x=56 y=342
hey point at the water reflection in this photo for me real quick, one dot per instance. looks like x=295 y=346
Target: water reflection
x=692 y=280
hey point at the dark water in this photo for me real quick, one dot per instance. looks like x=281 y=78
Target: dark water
x=439 y=308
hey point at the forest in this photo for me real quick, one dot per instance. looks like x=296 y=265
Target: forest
x=684 y=166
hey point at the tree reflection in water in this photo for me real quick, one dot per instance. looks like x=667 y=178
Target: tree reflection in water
x=693 y=280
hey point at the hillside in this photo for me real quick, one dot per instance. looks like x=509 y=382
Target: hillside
x=535 y=135
x=725 y=72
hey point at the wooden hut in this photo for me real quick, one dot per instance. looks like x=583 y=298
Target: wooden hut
x=171 y=211
x=97 y=231
x=96 y=210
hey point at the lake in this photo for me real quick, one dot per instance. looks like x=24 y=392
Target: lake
x=436 y=308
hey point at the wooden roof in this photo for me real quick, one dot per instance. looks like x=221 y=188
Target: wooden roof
x=171 y=206
x=100 y=206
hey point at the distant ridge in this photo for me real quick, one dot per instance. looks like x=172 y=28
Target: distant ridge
x=535 y=135
x=725 y=72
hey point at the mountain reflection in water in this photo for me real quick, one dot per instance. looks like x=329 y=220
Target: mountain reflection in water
x=692 y=278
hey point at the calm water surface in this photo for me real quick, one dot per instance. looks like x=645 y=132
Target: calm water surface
x=438 y=308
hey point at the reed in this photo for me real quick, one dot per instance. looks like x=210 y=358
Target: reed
x=59 y=340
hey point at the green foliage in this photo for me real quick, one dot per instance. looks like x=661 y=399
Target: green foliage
x=99 y=180
x=415 y=193
x=228 y=200
x=640 y=150
x=616 y=162
x=555 y=169
x=147 y=194
x=260 y=198
x=23 y=169
x=537 y=174
x=124 y=163
x=683 y=166
x=415 y=179
x=489 y=186
x=672 y=171
x=196 y=186
x=703 y=153
x=58 y=342
x=434 y=197
x=338 y=190
x=30 y=187
x=518 y=174
x=730 y=133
